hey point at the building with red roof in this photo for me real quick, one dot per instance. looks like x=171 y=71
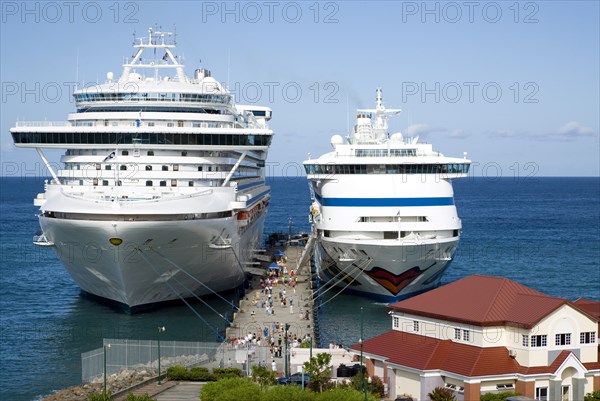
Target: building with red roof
x=488 y=334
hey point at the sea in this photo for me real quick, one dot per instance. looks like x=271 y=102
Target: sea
x=539 y=231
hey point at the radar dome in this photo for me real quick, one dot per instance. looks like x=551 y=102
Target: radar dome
x=397 y=137
x=336 y=140
x=110 y=75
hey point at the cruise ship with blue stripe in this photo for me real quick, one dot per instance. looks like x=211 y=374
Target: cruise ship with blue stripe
x=161 y=194
x=383 y=211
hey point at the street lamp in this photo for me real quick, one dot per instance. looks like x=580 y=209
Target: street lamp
x=362 y=375
x=105 y=347
x=160 y=330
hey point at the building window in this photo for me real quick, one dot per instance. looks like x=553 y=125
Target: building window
x=525 y=340
x=539 y=341
x=563 y=339
x=149 y=183
x=148 y=168
x=541 y=393
x=395 y=322
x=504 y=387
x=457 y=334
x=466 y=335
x=163 y=183
x=415 y=326
x=587 y=338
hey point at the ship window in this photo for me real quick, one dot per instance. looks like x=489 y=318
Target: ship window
x=107 y=167
x=125 y=153
x=390 y=235
x=98 y=166
x=149 y=183
x=150 y=153
x=95 y=181
x=123 y=167
x=165 y=168
x=184 y=153
x=175 y=167
x=173 y=183
x=80 y=182
x=455 y=233
x=148 y=168
x=199 y=168
x=191 y=183
x=169 y=124
x=119 y=183
x=163 y=183
x=105 y=183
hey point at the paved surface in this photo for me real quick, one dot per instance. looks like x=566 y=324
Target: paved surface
x=181 y=392
x=298 y=315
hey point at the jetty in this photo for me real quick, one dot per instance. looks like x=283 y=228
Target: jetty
x=277 y=305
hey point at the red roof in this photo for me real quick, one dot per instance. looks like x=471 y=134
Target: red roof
x=427 y=353
x=589 y=306
x=483 y=301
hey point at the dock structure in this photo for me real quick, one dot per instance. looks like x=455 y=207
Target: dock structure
x=279 y=276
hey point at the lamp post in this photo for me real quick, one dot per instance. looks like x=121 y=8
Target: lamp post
x=105 y=347
x=285 y=344
x=160 y=330
x=362 y=375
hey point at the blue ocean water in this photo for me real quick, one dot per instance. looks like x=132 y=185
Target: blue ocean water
x=542 y=232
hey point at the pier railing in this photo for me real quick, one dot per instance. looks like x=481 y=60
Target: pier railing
x=142 y=355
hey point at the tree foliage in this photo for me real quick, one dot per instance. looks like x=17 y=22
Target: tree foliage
x=319 y=369
x=593 y=396
x=441 y=394
x=263 y=376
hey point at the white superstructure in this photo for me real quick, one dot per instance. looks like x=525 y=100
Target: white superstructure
x=162 y=192
x=383 y=211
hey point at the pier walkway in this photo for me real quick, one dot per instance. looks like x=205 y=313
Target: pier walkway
x=252 y=319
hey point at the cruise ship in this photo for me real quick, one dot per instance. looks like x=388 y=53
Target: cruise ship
x=383 y=210
x=161 y=193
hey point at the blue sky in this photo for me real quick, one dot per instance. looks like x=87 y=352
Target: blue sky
x=514 y=84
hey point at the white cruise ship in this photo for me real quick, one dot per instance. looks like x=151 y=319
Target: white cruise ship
x=162 y=192
x=383 y=211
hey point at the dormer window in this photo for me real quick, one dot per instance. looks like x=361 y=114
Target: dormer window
x=415 y=326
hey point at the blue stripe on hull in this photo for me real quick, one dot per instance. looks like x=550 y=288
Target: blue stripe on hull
x=384 y=202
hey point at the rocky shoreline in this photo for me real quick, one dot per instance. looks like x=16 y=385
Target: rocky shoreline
x=115 y=383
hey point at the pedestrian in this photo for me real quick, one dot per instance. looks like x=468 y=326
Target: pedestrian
x=252 y=314
x=274 y=366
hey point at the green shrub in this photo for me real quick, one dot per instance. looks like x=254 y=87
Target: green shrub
x=497 y=396
x=263 y=376
x=442 y=394
x=133 y=397
x=287 y=393
x=227 y=373
x=343 y=394
x=100 y=396
x=201 y=374
x=593 y=396
x=178 y=372
x=375 y=386
x=230 y=390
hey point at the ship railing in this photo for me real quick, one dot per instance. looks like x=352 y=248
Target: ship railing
x=43 y=124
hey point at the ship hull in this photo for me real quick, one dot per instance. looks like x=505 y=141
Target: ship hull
x=157 y=261
x=387 y=273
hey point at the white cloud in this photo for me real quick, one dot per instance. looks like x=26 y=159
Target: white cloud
x=502 y=134
x=422 y=130
x=459 y=133
x=568 y=132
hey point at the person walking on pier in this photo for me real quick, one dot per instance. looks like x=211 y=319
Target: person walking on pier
x=274 y=366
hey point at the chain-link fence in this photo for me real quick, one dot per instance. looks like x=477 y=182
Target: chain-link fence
x=118 y=355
